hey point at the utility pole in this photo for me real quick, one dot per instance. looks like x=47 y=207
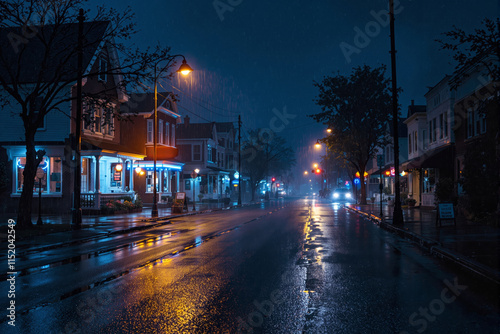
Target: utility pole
x=397 y=217
x=239 y=160
x=77 y=210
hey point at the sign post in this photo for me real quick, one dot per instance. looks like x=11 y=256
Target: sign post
x=39 y=174
x=179 y=203
x=445 y=212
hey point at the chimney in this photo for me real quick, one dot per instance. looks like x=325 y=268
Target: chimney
x=186 y=120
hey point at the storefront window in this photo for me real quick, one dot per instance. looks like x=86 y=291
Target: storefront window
x=55 y=176
x=429 y=180
x=52 y=176
x=149 y=181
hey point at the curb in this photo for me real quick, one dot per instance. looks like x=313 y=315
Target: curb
x=435 y=248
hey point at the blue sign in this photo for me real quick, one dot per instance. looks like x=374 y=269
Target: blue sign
x=356 y=181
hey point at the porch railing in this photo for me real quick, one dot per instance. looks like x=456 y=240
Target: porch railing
x=94 y=201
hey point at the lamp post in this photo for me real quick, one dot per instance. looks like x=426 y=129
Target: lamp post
x=184 y=69
x=239 y=159
x=397 y=216
x=194 y=175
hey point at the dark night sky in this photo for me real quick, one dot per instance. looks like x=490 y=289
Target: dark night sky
x=264 y=55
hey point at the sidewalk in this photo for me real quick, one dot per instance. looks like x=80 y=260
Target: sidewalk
x=472 y=246
x=96 y=226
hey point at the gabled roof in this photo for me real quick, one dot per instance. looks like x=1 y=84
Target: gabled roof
x=413 y=109
x=139 y=103
x=195 y=130
x=63 y=51
x=224 y=126
x=446 y=80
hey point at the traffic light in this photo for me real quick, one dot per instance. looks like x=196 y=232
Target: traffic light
x=273 y=179
x=317 y=171
x=277 y=185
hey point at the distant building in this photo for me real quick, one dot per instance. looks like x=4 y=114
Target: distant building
x=138 y=135
x=208 y=147
x=430 y=143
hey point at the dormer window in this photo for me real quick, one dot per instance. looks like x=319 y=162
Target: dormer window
x=103 y=68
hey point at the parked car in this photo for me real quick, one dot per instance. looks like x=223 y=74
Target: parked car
x=342 y=195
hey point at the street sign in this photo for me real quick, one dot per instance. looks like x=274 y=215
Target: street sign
x=40 y=173
x=380 y=160
x=445 y=212
x=179 y=203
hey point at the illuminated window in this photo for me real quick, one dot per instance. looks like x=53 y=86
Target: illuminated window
x=160 y=132
x=150 y=130
x=149 y=181
x=51 y=181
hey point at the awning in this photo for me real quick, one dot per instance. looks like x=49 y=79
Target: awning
x=162 y=164
x=217 y=169
x=415 y=163
x=441 y=157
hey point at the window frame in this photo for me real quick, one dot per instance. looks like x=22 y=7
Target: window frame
x=149 y=131
x=197 y=153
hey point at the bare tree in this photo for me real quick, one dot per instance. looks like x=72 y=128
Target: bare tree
x=38 y=67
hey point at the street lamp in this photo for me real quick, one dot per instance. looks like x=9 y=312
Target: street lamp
x=184 y=69
x=318 y=144
x=194 y=175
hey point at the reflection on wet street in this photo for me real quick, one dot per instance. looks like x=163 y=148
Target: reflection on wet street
x=303 y=266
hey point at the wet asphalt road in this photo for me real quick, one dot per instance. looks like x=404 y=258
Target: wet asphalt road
x=288 y=267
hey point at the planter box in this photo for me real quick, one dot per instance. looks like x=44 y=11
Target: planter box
x=116 y=212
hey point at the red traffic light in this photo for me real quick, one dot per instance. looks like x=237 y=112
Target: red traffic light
x=277 y=184
x=318 y=171
x=273 y=179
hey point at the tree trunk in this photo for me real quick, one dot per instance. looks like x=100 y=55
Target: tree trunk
x=29 y=173
x=253 y=187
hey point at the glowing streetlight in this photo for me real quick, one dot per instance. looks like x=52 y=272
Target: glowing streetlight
x=315 y=166
x=306 y=172
x=318 y=144
x=184 y=69
x=194 y=175
x=329 y=130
